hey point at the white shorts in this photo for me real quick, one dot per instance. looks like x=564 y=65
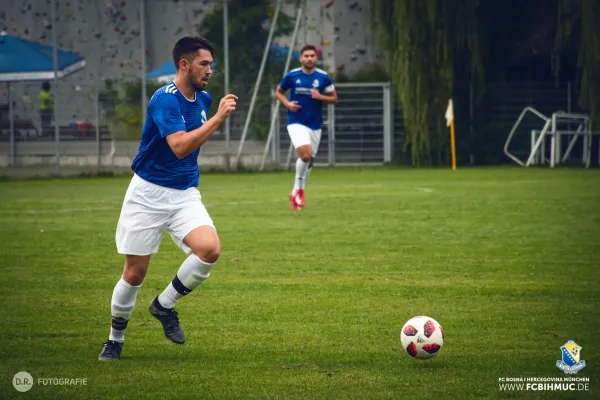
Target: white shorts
x=302 y=135
x=149 y=209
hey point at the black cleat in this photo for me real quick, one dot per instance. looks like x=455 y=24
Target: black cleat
x=169 y=320
x=111 y=351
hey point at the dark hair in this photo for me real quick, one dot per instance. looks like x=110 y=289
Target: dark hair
x=308 y=47
x=46 y=86
x=188 y=45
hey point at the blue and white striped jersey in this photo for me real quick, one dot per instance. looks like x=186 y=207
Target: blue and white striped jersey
x=170 y=111
x=300 y=84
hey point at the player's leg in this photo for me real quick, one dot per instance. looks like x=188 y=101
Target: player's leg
x=300 y=137
x=122 y=304
x=192 y=229
x=138 y=235
x=315 y=140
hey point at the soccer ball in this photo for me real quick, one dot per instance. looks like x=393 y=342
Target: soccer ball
x=422 y=337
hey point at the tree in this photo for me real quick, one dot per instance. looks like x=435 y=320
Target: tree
x=578 y=31
x=421 y=41
x=249 y=23
x=437 y=48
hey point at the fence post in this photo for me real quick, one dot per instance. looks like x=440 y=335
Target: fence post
x=274 y=109
x=97 y=109
x=331 y=134
x=55 y=98
x=387 y=124
x=277 y=136
x=11 y=117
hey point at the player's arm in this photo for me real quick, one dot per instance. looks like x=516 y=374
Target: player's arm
x=293 y=105
x=184 y=143
x=329 y=97
x=280 y=94
x=329 y=94
x=284 y=85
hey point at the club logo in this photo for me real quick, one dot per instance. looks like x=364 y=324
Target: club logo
x=570 y=363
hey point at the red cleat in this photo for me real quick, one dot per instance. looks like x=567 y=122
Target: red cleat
x=300 y=198
x=293 y=202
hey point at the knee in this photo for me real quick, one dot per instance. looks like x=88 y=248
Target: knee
x=305 y=156
x=134 y=274
x=304 y=152
x=209 y=253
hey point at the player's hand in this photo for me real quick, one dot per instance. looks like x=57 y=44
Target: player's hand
x=227 y=106
x=293 y=106
x=314 y=93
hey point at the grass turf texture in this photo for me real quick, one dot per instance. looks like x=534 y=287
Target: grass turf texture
x=310 y=304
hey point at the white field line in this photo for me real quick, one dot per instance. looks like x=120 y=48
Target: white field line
x=208 y=205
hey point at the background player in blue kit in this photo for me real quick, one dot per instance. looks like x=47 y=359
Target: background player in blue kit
x=310 y=87
x=162 y=194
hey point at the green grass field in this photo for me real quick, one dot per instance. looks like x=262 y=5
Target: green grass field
x=309 y=305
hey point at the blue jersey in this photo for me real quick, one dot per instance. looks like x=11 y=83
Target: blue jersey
x=169 y=112
x=301 y=84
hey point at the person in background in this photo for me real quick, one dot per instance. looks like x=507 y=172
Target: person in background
x=46 y=109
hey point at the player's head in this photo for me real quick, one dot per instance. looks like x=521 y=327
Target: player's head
x=308 y=56
x=193 y=56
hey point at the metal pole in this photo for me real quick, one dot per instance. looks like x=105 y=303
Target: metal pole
x=331 y=135
x=97 y=107
x=274 y=109
x=387 y=125
x=285 y=70
x=260 y=74
x=277 y=138
x=143 y=40
x=226 y=83
x=305 y=11
x=54 y=94
x=11 y=116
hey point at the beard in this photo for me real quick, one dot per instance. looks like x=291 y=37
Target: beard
x=308 y=65
x=197 y=83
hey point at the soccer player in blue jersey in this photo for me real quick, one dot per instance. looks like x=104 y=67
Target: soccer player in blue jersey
x=162 y=194
x=310 y=87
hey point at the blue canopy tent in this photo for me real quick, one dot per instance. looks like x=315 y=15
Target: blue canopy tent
x=166 y=72
x=24 y=60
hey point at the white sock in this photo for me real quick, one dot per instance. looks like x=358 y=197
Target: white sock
x=190 y=275
x=301 y=168
x=122 y=303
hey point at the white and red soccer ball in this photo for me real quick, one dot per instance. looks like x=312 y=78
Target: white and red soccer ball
x=422 y=337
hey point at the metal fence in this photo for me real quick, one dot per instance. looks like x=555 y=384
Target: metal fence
x=357 y=131
x=100 y=129
x=97 y=133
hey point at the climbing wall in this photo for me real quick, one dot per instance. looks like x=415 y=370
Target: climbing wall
x=355 y=41
x=107 y=33
x=341 y=31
